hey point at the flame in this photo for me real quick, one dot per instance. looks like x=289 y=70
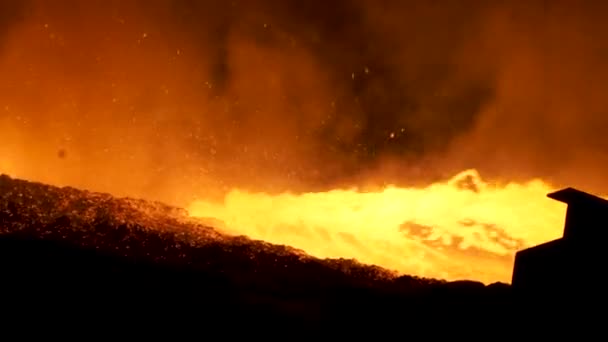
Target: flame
x=464 y=228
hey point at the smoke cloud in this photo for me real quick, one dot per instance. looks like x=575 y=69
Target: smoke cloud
x=176 y=99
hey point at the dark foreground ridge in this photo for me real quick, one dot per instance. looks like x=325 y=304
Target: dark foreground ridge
x=90 y=255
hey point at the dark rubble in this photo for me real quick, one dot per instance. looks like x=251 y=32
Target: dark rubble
x=63 y=247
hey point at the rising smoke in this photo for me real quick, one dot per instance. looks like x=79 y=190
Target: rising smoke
x=174 y=99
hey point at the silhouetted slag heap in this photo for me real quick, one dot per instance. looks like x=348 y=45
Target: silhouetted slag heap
x=568 y=265
x=155 y=232
x=63 y=247
x=44 y=204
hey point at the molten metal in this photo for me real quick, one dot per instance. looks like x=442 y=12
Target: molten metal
x=446 y=230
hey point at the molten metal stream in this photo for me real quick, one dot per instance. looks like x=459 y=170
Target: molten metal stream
x=444 y=230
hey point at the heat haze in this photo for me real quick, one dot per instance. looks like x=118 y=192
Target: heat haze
x=265 y=115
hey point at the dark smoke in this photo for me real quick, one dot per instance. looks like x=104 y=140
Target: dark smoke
x=11 y=13
x=172 y=99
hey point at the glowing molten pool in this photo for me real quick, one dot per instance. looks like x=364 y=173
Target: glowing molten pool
x=463 y=228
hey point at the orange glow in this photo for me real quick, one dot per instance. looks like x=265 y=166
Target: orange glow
x=443 y=230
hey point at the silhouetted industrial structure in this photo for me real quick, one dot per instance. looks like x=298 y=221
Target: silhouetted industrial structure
x=573 y=265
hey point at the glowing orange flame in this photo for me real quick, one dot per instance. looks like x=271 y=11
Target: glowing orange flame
x=444 y=230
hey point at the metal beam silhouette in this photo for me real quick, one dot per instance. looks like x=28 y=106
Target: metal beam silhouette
x=562 y=266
